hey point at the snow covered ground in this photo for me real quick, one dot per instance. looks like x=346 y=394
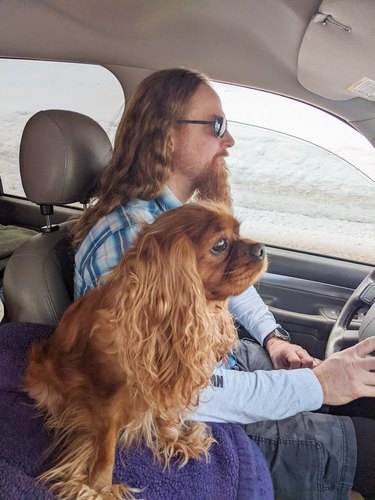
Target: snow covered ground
x=286 y=193
x=296 y=195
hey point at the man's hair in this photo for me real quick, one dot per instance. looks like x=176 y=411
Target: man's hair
x=142 y=157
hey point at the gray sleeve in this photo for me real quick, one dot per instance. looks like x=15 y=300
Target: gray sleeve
x=253 y=314
x=246 y=397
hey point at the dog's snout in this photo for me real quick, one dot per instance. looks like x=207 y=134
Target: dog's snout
x=257 y=250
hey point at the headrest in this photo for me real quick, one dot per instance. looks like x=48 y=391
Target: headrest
x=61 y=154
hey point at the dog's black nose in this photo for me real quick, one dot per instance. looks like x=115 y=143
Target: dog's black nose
x=257 y=250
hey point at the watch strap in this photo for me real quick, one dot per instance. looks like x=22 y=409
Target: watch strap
x=280 y=333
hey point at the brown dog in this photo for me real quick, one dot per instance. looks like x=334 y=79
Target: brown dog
x=130 y=358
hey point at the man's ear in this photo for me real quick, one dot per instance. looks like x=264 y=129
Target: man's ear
x=172 y=139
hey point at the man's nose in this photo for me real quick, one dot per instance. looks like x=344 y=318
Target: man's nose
x=227 y=140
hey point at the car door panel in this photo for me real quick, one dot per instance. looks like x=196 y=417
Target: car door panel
x=307 y=292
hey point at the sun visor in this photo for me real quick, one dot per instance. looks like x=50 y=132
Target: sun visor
x=337 y=55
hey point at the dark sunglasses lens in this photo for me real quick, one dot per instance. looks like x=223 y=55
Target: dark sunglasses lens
x=220 y=126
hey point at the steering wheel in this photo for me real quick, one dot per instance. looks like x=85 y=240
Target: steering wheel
x=364 y=294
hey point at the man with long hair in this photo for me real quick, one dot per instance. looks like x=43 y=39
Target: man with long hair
x=171 y=146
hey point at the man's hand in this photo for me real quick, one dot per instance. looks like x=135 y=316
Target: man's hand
x=349 y=374
x=289 y=356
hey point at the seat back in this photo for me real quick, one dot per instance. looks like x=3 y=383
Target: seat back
x=61 y=155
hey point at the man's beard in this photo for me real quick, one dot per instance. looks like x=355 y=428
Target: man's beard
x=214 y=184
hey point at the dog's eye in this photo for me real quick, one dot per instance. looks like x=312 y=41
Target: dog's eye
x=220 y=246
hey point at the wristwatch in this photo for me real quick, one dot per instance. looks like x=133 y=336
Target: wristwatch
x=279 y=332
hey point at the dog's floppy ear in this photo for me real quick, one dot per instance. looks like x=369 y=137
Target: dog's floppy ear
x=164 y=314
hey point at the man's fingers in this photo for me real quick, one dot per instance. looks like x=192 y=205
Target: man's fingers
x=306 y=361
x=299 y=359
x=367 y=363
x=368 y=378
x=290 y=356
x=368 y=391
x=294 y=363
x=316 y=362
x=365 y=347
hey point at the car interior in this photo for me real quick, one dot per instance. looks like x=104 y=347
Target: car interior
x=300 y=49
x=317 y=52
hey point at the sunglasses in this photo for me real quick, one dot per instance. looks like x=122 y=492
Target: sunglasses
x=219 y=124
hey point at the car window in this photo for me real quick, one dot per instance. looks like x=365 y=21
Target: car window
x=27 y=87
x=292 y=193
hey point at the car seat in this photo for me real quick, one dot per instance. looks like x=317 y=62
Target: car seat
x=61 y=154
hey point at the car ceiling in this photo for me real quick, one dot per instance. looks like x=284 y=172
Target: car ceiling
x=255 y=43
